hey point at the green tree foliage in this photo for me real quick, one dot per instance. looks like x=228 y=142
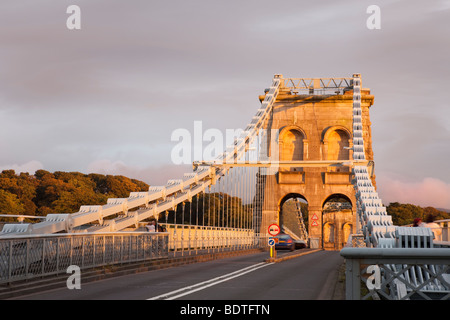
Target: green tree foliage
x=10 y=204
x=404 y=214
x=60 y=192
x=23 y=186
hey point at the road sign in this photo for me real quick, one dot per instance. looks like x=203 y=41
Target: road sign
x=271 y=242
x=314 y=222
x=274 y=229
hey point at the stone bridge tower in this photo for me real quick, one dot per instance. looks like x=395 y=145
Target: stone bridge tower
x=313 y=119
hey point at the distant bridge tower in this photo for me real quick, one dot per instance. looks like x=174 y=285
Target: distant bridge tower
x=313 y=120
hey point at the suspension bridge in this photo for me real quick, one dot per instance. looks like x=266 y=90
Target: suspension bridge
x=309 y=141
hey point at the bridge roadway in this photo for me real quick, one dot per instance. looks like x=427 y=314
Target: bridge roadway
x=311 y=276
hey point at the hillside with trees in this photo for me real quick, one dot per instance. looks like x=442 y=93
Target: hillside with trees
x=403 y=214
x=60 y=192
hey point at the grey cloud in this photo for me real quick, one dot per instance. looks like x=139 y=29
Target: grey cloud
x=115 y=90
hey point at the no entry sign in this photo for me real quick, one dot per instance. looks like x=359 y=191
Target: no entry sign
x=274 y=229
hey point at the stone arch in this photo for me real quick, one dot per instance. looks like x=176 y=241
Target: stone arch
x=337 y=197
x=337 y=217
x=336 y=141
x=346 y=231
x=292 y=140
x=329 y=232
x=290 y=218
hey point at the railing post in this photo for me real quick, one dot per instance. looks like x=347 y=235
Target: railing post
x=10 y=260
x=57 y=255
x=144 y=246
x=158 y=246
x=152 y=250
x=121 y=248
x=130 y=244
x=112 y=243
x=94 y=249
x=82 y=252
x=71 y=251
x=352 y=283
x=104 y=249
x=43 y=256
x=27 y=262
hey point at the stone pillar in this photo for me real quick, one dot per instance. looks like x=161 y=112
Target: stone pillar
x=316 y=116
x=315 y=223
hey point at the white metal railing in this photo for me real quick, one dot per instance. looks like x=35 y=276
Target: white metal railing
x=442 y=233
x=34 y=256
x=194 y=237
x=397 y=273
x=316 y=85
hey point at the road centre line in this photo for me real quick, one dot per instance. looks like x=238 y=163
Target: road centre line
x=209 y=283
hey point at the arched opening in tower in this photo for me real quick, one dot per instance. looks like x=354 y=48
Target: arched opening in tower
x=336 y=221
x=293 y=216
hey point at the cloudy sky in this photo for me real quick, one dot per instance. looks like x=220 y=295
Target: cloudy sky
x=106 y=98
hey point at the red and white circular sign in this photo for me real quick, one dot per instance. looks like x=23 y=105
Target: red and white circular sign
x=274 y=229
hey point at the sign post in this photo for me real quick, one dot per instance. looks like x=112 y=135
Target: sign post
x=272 y=247
x=273 y=231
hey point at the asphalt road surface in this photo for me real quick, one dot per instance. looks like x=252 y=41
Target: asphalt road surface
x=308 y=277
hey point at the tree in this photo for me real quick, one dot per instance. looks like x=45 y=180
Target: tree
x=10 y=204
x=404 y=214
x=61 y=192
x=23 y=186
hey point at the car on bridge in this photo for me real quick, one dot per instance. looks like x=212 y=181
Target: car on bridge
x=284 y=241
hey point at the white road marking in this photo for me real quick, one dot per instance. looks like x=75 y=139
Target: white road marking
x=209 y=283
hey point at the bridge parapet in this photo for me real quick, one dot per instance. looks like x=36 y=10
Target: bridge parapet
x=26 y=257
x=397 y=273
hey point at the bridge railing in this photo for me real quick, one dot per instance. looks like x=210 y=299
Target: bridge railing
x=441 y=233
x=397 y=273
x=35 y=256
x=195 y=237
